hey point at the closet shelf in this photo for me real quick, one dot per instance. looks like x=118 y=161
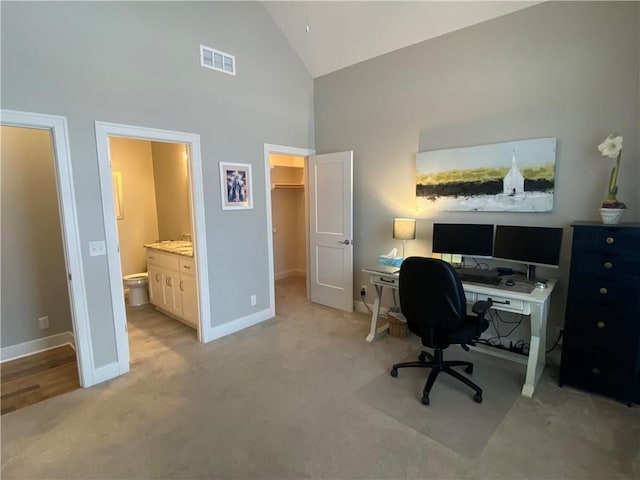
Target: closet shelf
x=282 y=185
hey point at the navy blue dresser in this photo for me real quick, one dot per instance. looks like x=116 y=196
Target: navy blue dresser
x=601 y=341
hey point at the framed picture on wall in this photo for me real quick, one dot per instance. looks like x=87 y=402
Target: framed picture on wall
x=235 y=186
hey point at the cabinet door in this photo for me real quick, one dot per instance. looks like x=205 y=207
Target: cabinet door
x=189 y=299
x=156 y=282
x=172 y=294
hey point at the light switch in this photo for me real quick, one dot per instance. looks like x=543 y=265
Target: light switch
x=97 y=248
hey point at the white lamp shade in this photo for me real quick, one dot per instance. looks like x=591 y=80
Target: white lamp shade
x=404 y=229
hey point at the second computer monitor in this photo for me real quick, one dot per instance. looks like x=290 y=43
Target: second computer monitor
x=470 y=239
x=529 y=245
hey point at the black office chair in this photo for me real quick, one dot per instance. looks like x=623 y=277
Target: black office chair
x=434 y=304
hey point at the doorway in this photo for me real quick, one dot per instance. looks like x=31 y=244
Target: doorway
x=67 y=322
x=289 y=214
x=171 y=284
x=153 y=218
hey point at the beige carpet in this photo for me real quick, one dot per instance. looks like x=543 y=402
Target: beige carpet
x=278 y=401
x=453 y=418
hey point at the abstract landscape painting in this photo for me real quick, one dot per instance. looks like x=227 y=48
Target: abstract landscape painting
x=516 y=176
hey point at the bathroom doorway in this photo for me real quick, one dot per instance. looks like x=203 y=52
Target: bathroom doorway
x=115 y=203
x=153 y=217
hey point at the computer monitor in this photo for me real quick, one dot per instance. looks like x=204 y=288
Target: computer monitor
x=467 y=239
x=529 y=245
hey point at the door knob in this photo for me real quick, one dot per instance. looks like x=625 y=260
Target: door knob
x=345 y=242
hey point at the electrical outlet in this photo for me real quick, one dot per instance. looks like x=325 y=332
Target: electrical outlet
x=363 y=291
x=44 y=323
x=254 y=300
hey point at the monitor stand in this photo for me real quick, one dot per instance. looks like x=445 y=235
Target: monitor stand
x=531 y=272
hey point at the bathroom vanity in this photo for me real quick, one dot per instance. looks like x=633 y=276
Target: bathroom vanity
x=172 y=280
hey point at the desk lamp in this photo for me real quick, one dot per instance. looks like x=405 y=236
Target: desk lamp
x=404 y=229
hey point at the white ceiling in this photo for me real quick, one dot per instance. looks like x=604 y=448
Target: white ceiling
x=345 y=33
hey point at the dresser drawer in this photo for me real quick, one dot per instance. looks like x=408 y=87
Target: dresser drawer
x=605 y=290
x=605 y=265
x=596 y=371
x=594 y=324
x=613 y=240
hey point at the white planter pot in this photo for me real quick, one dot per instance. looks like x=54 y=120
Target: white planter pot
x=611 y=216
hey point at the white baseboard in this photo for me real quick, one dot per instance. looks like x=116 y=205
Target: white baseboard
x=240 y=324
x=290 y=273
x=13 y=352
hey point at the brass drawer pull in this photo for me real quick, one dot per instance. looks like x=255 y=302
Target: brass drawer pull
x=595 y=371
x=600 y=324
x=608 y=265
x=610 y=240
x=603 y=291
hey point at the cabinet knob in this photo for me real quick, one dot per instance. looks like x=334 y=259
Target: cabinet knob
x=157 y=277
x=608 y=265
x=595 y=371
x=181 y=286
x=600 y=324
x=610 y=240
x=603 y=291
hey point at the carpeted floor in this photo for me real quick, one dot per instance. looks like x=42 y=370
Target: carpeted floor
x=279 y=400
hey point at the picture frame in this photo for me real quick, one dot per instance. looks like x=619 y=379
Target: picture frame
x=236 y=186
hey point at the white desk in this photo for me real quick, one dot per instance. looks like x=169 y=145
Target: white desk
x=534 y=304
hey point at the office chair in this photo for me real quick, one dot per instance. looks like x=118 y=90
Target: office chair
x=434 y=304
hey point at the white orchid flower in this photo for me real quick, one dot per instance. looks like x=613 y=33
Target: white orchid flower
x=611 y=146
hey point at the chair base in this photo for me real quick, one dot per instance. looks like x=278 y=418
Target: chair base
x=437 y=365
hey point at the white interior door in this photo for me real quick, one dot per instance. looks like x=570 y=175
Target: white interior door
x=331 y=229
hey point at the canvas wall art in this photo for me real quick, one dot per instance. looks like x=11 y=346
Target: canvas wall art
x=516 y=176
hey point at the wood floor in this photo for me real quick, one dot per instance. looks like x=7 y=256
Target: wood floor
x=31 y=379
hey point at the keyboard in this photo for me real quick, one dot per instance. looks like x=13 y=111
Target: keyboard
x=479 y=278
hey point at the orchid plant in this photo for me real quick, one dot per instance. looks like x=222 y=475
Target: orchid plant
x=612 y=147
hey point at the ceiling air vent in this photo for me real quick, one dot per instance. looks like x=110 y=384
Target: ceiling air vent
x=217 y=60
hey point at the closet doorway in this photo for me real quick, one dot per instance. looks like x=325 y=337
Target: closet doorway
x=289 y=207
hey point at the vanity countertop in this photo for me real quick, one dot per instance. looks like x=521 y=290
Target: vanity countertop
x=179 y=247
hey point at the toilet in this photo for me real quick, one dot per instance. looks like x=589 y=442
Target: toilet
x=137 y=284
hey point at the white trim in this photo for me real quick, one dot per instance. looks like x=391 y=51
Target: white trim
x=107 y=372
x=268 y=150
x=105 y=130
x=242 y=323
x=70 y=231
x=290 y=273
x=13 y=352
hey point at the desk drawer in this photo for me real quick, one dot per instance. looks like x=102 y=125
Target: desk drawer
x=506 y=304
x=385 y=281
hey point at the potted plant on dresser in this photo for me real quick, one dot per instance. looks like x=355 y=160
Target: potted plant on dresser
x=612 y=209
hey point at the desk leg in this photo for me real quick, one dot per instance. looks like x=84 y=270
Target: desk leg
x=376 y=331
x=537 y=348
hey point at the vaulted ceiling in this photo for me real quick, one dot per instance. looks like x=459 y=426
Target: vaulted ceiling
x=341 y=34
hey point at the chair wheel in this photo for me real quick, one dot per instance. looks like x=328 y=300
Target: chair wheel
x=394 y=372
x=422 y=357
x=478 y=398
x=469 y=369
x=425 y=399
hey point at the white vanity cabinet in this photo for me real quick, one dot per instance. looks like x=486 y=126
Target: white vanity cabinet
x=172 y=285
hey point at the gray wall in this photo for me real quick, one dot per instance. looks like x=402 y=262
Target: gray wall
x=34 y=275
x=172 y=192
x=138 y=64
x=567 y=70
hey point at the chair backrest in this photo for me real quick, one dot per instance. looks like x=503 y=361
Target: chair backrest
x=431 y=295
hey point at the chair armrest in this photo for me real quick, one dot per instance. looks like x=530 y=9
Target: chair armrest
x=481 y=307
